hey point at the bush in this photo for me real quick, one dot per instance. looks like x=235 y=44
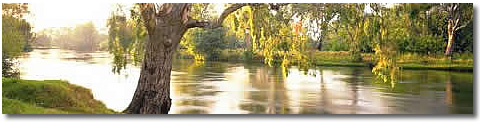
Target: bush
x=9 y=67
x=423 y=44
x=248 y=55
x=335 y=46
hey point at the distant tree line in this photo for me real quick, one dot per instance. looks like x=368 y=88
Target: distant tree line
x=83 y=37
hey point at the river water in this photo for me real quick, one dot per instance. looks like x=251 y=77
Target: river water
x=239 y=88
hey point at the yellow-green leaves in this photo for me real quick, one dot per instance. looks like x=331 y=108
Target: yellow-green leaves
x=126 y=37
x=16 y=36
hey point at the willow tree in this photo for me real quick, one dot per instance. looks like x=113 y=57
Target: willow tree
x=165 y=25
x=352 y=16
x=386 y=25
x=320 y=16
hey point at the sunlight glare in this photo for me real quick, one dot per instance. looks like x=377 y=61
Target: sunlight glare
x=45 y=15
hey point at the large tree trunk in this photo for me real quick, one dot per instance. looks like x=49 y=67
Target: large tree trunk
x=152 y=95
x=165 y=25
x=452 y=27
x=451 y=42
x=451 y=37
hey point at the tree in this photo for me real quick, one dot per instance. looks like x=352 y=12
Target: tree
x=82 y=37
x=459 y=16
x=166 y=24
x=320 y=16
x=276 y=31
x=16 y=36
x=43 y=40
x=385 y=40
x=120 y=38
x=352 y=16
x=85 y=37
x=206 y=43
x=64 y=37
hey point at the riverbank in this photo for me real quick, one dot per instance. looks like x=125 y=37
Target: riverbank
x=460 y=62
x=48 y=97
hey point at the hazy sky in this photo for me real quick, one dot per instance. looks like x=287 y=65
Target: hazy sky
x=44 y=15
x=69 y=14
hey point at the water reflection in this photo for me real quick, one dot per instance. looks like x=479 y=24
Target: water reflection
x=238 y=88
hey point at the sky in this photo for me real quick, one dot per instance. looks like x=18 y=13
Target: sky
x=44 y=15
x=63 y=14
x=68 y=14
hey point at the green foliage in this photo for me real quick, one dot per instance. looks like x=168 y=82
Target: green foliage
x=353 y=18
x=278 y=38
x=44 y=96
x=464 y=40
x=208 y=43
x=248 y=55
x=336 y=45
x=16 y=36
x=386 y=34
x=9 y=67
x=319 y=16
x=423 y=44
x=127 y=37
x=283 y=35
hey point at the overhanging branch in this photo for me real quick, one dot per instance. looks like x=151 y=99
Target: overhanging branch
x=215 y=23
x=191 y=23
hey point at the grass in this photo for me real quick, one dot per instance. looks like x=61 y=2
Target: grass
x=460 y=62
x=48 y=97
x=13 y=106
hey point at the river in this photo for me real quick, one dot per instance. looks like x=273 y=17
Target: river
x=240 y=88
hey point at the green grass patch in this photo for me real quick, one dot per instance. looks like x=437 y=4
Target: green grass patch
x=449 y=67
x=13 y=106
x=48 y=97
x=459 y=62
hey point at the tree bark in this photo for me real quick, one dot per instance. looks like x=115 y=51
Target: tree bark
x=319 y=45
x=451 y=42
x=165 y=25
x=152 y=95
x=452 y=27
x=451 y=31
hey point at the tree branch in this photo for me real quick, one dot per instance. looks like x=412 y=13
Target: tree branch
x=463 y=26
x=192 y=23
x=148 y=15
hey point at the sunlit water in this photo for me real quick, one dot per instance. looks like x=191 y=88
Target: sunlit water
x=238 y=88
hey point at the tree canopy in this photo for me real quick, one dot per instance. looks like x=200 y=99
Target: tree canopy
x=16 y=36
x=284 y=33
